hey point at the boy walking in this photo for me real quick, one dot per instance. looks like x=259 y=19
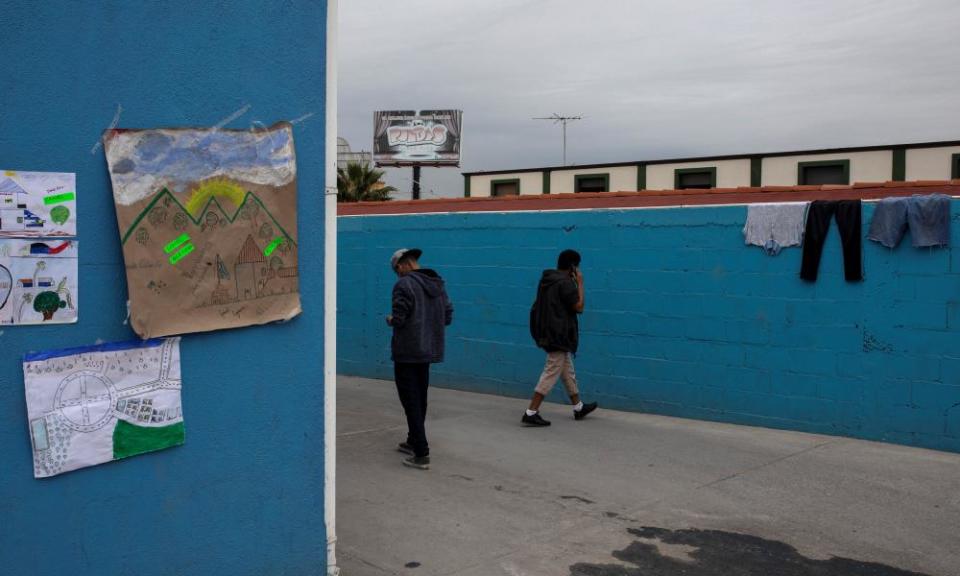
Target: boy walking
x=555 y=328
x=420 y=312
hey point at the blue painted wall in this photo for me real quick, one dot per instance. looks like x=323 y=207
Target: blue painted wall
x=244 y=495
x=682 y=319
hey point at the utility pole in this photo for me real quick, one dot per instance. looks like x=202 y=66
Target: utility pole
x=416 y=182
x=562 y=120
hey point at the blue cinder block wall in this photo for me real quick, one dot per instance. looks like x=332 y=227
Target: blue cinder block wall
x=682 y=319
x=244 y=495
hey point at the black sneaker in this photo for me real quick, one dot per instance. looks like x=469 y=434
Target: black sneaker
x=405 y=447
x=420 y=463
x=535 y=420
x=582 y=413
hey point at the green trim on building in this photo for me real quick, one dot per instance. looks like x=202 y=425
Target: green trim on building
x=493 y=184
x=677 y=172
x=955 y=166
x=546 y=181
x=845 y=164
x=578 y=177
x=756 y=171
x=899 y=165
x=466 y=186
x=641 y=177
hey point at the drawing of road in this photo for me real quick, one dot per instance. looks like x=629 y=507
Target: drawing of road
x=82 y=412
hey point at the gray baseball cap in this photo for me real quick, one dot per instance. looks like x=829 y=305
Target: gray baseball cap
x=415 y=252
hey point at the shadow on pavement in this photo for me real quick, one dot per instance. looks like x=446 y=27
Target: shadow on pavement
x=720 y=553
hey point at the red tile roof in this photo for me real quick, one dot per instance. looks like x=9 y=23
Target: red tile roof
x=654 y=198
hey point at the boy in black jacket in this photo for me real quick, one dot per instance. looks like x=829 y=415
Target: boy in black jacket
x=421 y=310
x=554 y=327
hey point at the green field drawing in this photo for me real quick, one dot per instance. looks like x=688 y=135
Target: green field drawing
x=130 y=440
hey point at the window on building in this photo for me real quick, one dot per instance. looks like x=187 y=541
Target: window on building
x=505 y=187
x=824 y=172
x=955 y=166
x=689 y=178
x=591 y=183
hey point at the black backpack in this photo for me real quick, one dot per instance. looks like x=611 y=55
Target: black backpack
x=537 y=331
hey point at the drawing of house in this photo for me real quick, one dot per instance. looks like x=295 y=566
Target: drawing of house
x=13 y=203
x=250 y=270
x=12 y=194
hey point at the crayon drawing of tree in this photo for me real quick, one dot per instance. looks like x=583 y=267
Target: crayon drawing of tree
x=47 y=303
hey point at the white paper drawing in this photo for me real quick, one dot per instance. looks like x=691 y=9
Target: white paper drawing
x=37 y=204
x=95 y=404
x=38 y=281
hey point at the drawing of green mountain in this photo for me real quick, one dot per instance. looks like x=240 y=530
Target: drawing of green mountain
x=157 y=213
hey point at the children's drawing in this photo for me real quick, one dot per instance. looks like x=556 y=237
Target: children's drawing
x=197 y=208
x=38 y=281
x=6 y=287
x=94 y=404
x=37 y=204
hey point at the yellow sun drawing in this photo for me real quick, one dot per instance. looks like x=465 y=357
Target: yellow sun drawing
x=220 y=188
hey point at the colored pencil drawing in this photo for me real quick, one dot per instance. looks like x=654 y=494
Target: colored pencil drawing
x=94 y=404
x=38 y=281
x=37 y=204
x=196 y=209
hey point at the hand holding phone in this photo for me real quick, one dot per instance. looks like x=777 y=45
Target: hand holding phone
x=576 y=274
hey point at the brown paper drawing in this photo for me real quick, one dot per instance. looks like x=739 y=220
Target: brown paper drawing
x=208 y=225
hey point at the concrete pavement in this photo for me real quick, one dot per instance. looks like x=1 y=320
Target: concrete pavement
x=630 y=494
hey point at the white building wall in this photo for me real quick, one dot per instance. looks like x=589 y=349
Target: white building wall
x=876 y=166
x=930 y=163
x=530 y=183
x=622 y=178
x=730 y=173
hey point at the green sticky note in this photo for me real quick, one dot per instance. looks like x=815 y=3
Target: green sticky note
x=58 y=198
x=176 y=243
x=181 y=253
x=273 y=246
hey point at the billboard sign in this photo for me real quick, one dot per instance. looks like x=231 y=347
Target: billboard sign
x=417 y=137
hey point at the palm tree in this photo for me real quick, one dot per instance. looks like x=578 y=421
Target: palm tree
x=360 y=182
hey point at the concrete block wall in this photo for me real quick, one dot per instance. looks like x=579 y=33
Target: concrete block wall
x=682 y=318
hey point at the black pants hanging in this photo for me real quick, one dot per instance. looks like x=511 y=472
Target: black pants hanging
x=412 y=383
x=848 y=215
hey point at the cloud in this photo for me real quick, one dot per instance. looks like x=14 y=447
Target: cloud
x=653 y=79
x=143 y=161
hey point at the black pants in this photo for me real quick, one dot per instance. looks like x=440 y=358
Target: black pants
x=818 y=224
x=412 y=382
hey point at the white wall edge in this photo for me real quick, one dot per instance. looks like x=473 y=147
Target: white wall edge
x=330 y=296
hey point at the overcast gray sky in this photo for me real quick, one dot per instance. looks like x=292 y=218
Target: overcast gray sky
x=653 y=79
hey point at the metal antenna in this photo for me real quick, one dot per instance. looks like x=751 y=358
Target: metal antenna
x=563 y=121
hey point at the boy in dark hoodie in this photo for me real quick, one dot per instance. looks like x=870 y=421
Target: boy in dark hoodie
x=555 y=328
x=421 y=310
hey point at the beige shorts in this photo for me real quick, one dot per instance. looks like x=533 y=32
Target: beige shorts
x=559 y=364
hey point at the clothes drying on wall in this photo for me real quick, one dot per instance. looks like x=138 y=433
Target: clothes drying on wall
x=775 y=226
x=927 y=218
x=849 y=222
